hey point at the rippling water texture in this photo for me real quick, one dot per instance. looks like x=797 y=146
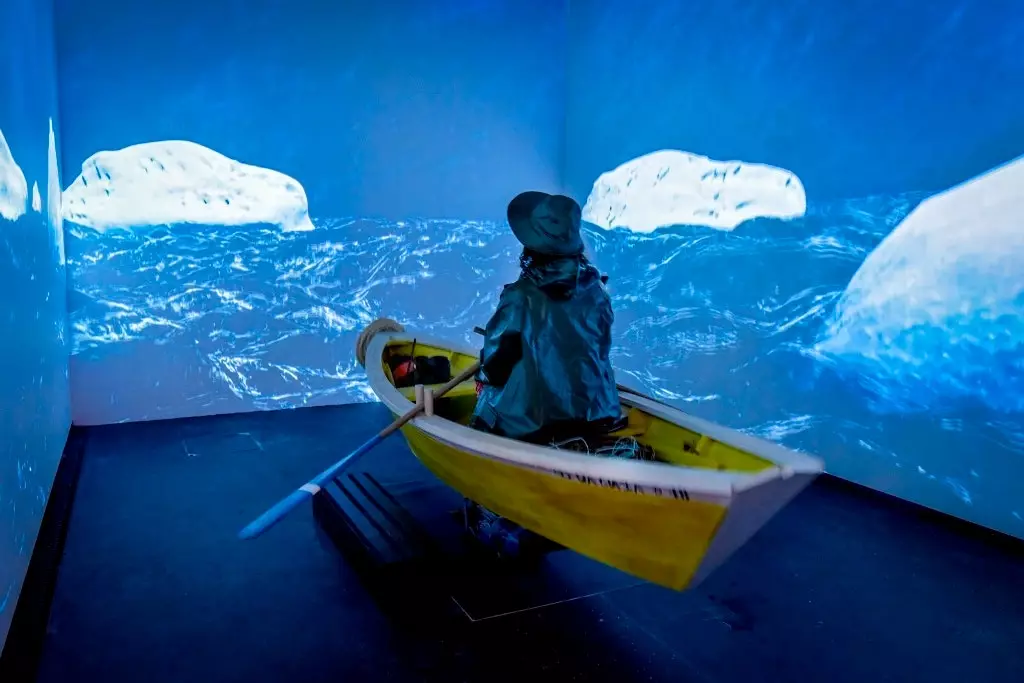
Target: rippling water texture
x=194 y=320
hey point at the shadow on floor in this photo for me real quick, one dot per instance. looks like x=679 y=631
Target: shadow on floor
x=154 y=586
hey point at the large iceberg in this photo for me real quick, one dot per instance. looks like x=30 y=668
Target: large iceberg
x=13 y=187
x=670 y=187
x=176 y=181
x=53 y=197
x=939 y=304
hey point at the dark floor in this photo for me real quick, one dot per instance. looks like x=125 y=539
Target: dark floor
x=841 y=586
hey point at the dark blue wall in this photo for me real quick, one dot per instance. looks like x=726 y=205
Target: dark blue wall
x=390 y=109
x=857 y=98
x=34 y=405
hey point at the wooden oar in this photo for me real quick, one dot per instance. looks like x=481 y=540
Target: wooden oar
x=310 y=488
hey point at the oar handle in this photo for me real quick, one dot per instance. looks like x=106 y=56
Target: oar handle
x=308 y=490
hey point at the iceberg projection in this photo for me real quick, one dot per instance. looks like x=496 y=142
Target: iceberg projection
x=54 y=198
x=938 y=307
x=859 y=292
x=178 y=182
x=669 y=187
x=13 y=187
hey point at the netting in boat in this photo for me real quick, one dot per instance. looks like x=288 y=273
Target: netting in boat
x=625 y=447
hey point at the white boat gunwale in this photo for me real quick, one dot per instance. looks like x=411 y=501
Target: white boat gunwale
x=700 y=483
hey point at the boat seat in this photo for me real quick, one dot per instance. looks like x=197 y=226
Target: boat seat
x=467 y=388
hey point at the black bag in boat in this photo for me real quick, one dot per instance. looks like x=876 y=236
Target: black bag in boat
x=408 y=372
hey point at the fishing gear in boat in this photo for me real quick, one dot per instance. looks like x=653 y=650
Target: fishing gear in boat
x=410 y=370
x=625 y=447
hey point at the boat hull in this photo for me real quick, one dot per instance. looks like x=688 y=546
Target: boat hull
x=662 y=539
x=670 y=522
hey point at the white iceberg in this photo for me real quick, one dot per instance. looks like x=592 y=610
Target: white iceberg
x=53 y=197
x=176 y=181
x=941 y=299
x=37 y=201
x=13 y=187
x=670 y=187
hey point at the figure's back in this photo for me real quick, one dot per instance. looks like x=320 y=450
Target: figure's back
x=568 y=367
x=564 y=375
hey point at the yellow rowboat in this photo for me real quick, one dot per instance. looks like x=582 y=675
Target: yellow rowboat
x=670 y=521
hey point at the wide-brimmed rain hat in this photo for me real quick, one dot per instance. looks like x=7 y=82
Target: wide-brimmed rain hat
x=546 y=223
